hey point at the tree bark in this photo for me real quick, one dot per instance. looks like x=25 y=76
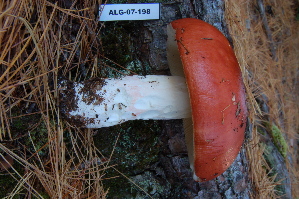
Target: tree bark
x=170 y=176
x=165 y=171
x=235 y=182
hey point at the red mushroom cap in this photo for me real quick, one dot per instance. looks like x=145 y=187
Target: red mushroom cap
x=217 y=96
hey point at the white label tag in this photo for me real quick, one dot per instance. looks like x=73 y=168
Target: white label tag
x=118 y=12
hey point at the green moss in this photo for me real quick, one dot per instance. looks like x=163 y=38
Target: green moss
x=138 y=67
x=7 y=183
x=38 y=137
x=150 y=185
x=45 y=195
x=260 y=130
x=22 y=124
x=274 y=173
x=118 y=45
x=21 y=128
x=136 y=150
x=278 y=139
x=275 y=150
x=115 y=39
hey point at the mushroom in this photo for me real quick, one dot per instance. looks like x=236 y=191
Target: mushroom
x=217 y=95
x=107 y=102
x=198 y=55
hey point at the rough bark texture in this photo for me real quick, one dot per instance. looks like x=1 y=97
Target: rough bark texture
x=234 y=183
x=153 y=154
x=170 y=176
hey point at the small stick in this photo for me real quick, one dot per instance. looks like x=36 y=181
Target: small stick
x=187 y=51
x=268 y=31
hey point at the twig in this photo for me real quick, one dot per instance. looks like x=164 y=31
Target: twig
x=267 y=29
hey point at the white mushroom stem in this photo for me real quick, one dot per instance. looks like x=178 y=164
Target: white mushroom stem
x=115 y=101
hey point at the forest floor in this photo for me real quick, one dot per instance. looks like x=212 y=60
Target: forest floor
x=43 y=156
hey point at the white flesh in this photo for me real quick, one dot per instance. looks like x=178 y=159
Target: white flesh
x=176 y=68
